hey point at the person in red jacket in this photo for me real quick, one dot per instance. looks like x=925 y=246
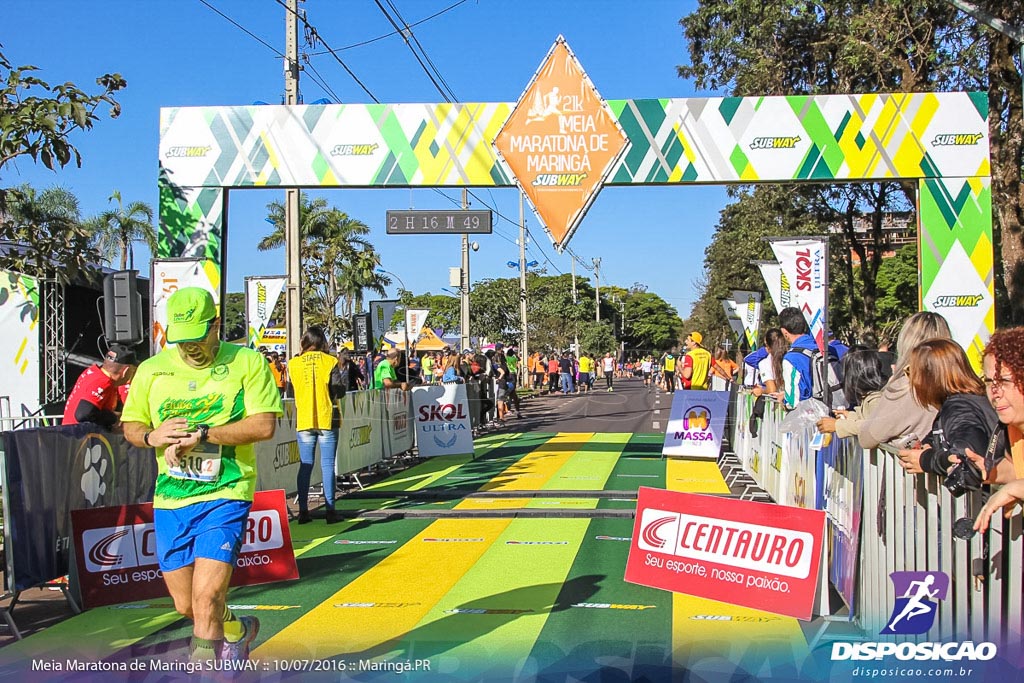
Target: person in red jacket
x=95 y=395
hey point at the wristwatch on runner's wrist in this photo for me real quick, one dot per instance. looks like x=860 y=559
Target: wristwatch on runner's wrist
x=204 y=432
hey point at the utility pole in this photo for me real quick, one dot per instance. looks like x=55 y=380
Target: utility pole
x=524 y=352
x=464 y=289
x=292 y=240
x=597 y=290
x=575 y=325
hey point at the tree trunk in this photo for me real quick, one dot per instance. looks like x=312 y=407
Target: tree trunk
x=1007 y=190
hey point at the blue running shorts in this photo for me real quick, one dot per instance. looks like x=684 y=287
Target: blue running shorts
x=212 y=529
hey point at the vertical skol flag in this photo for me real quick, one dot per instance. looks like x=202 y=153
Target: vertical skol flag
x=804 y=261
x=776 y=282
x=748 y=306
x=414 y=320
x=261 y=295
x=732 y=314
x=381 y=313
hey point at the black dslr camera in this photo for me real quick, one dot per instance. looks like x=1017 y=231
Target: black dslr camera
x=964 y=477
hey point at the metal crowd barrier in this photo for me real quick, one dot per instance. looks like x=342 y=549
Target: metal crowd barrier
x=882 y=520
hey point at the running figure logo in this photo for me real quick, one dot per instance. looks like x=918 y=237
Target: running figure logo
x=917 y=599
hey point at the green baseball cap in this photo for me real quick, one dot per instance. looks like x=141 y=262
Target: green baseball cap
x=189 y=313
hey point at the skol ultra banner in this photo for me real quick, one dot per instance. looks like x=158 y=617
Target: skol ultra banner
x=732 y=314
x=168 y=276
x=415 y=318
x=748 y=306
x=757 y=555
x=804 y=261
x=776 y=283
x=381 y=313
x=116 y=560
x=261 y=295
x=441 y=415
x=696 y=424
x=561 y=141
x=397 y=413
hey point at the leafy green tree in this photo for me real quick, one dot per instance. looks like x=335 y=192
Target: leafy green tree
x=783 y=47
x=36 y=119
x=597 y=338
x=117 y=230
x=651 y=323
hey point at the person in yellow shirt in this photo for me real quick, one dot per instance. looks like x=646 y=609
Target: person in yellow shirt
x=696 y=371
x=317 y=383
x=586 y=382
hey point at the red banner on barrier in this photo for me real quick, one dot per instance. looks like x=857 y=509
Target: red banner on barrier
x=756 y=555
x=115 y=550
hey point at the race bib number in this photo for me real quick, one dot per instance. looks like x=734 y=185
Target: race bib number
x=202 y=463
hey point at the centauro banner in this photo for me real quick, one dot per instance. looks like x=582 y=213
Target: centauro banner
x=804 y=261
x=261 y=295
x=758 y=555
x=748 y=306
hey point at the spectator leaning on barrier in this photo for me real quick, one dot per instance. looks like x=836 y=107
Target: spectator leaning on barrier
x=95 y=394
x=317 y=382
x=941 y=377
x=384 y=376
x=722 y=366
x=897 y=417
x=863 y=380
x=202 y=404
x=1004 y=384
x=351 y=374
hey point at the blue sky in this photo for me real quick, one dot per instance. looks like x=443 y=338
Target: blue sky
x=181 y=53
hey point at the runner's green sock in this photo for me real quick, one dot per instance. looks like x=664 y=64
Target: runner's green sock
x=233 y=628
x=201 y=649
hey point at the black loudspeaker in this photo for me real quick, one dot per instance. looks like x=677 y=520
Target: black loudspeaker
x=122 y=308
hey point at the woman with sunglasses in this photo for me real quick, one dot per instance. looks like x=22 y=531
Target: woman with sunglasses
x=1003 y=366
x=941 y=377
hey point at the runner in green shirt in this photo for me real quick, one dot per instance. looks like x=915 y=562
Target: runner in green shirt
x=202 y=404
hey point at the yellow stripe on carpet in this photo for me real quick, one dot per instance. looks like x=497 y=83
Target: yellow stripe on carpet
x=703 y=628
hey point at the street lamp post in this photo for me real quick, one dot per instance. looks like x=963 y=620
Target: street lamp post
x=405 y=325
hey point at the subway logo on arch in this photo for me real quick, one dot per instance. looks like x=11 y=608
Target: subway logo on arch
x=754 y=547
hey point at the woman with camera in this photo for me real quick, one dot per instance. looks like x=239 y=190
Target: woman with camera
x=1004 y=383
x=941 y=378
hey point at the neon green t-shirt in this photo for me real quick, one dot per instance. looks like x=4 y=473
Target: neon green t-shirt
x=586 y=364
x=383 y=370
x=238 y=383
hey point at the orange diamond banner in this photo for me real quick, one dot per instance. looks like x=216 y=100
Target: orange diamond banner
x=560 y=142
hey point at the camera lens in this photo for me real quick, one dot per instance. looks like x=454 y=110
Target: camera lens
x=963 y=528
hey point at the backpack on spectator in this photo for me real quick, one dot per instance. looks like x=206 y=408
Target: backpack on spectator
x=819 y=368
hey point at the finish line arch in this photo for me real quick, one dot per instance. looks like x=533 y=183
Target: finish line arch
x=939 y=140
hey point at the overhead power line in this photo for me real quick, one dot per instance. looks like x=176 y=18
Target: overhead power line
x=393 y=33
x=315 y=37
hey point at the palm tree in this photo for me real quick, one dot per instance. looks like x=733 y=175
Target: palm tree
x=357 y=275
x=117 y=230
x=313 y=215
x=47 y=225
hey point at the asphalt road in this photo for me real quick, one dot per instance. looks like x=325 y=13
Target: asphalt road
x=629 y=408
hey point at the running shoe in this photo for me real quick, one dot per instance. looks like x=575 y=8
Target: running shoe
x=239 y=652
